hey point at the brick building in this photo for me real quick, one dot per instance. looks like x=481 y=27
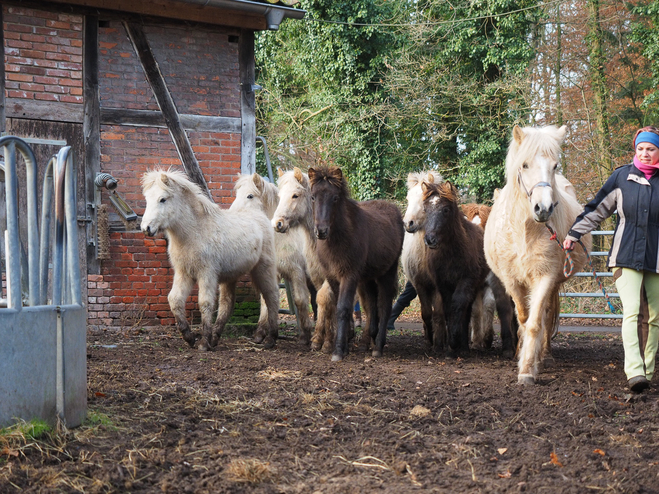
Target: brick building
x=132 y=85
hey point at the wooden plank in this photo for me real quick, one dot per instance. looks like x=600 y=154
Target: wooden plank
x=147 y=118
x=179 y=11
x=53 y=111
x=166 y=104
x=247 y=102
x=91 y=129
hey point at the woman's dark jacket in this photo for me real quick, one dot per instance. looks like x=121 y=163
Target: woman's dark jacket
x=636 y=237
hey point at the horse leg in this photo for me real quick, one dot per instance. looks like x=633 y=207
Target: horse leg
x=207 y=297
x=425 y=300
x=264 y=277
x=325 y=320
x=551 y=319
x=368 y=299
x=460 y=306
x=529 y=358
x=344 y=309
x=181 y=288
x=312 y=297
x=476 y=322
x=386 y=292
x=439 y=331
x=504 y=305
x=224 y=309
x=300 y=294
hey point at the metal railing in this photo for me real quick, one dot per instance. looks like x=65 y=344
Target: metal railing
x=589 y=274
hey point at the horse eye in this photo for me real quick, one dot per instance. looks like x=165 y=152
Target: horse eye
x=335 y=198
x=251 y=196
x=295 y=196
x=525 y=166
x=555 y=166
x=162 y=199
x=313 y=198
x=446 y=210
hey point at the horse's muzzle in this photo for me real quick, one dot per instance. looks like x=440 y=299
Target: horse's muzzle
x=542 y=214
x=431 y=242
x=411 y=227
x=321 y=233
x=280 y=225
x=147 y=229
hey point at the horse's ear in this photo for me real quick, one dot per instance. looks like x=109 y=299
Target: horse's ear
x=412 y=180
x=258 y=181
x=425 y=187
x=312 y=174
x=431 y=178
x=336 y=173
x=280 y=172
x=518 y=134
x=164 y=179
x=562 y=132
x=297 y=173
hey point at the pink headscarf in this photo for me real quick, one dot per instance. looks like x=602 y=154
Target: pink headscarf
x=652 y=138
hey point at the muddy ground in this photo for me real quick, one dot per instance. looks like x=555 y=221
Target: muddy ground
x=165 y=418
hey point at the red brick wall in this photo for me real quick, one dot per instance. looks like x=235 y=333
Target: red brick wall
x=201 y=70
x=43 y=55
x=43 y=61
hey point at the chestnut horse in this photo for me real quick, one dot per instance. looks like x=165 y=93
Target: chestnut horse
x=359 y=244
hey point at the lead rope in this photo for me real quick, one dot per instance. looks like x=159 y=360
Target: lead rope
x=568 y=266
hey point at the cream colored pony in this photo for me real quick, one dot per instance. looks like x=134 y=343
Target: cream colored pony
x=415 y=265
x=252 y=192
x=211 y=246
x=294 y=213
x=518 y=245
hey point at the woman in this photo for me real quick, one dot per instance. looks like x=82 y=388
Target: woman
x=634 y=191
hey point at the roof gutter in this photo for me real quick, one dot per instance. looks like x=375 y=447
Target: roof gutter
x=274 y=14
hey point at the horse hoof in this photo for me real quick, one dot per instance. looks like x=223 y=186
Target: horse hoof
x=525 y=379
x=203 y=345
x=548 y=362
x=327 y=348
x=363 y=348
x=258 y=338
x=269 y=342
x=377 y=353
x=337 y=358
x=303 y=340
x=316 y=346
x=508 y=354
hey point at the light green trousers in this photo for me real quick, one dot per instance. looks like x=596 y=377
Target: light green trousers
x=640 y=349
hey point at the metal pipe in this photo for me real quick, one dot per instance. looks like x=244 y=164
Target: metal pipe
x=267 y=158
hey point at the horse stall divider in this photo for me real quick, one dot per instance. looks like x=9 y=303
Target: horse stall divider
x=43 y=358
x=586 y=274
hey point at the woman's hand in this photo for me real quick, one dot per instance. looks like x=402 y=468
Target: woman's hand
x=568 y=244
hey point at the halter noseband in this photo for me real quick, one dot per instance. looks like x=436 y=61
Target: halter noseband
x=529 y=192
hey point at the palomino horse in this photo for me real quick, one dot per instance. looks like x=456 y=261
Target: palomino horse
x=211 y=246
x=358 y=245
x=415 y=265
x=518 y=245
x=295 y=213
x=455 y=258
x=252 y=192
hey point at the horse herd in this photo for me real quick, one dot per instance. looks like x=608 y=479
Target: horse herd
x=309 y=231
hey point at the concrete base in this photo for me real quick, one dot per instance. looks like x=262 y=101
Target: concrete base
x=43 y=364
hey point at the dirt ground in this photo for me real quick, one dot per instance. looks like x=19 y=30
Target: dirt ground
x=165 y=418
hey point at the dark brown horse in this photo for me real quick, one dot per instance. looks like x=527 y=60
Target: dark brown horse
x=456 y=259
x=359 y=244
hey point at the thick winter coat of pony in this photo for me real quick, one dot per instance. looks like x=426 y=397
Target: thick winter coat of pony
x=210 y=246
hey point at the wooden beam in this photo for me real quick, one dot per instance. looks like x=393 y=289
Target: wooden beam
x=247 y=102
x=91 y=131
x=178 y=11
x=166 y=104
x=148 y=118
x=54 y=111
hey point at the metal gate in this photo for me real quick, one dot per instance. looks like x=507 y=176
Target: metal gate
x=42 y=317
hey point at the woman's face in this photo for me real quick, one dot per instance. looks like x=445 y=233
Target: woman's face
x=647 y=153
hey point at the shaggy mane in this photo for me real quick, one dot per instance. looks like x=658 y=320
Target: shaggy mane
x=174 y=179
x=328 y=174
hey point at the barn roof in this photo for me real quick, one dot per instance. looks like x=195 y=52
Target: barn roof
x=250 y=14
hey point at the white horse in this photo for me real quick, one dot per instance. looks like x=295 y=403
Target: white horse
x=295 y=212
x=518 y=245
x=211 y=246
x=415 y=263
x=252 y=192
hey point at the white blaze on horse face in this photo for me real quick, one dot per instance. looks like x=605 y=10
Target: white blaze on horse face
x=414 y=215
x=539 y=182
x=157 y=210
